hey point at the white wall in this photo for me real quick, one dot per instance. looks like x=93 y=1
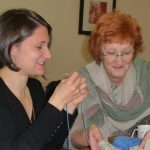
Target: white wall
x=140 y=10
x=68 y=47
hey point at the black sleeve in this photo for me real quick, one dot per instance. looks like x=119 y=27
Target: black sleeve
x=19 y=134
x=32 y=137
x=60 y=136
x=50 y=88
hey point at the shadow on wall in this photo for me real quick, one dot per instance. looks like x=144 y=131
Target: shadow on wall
x=84 y=50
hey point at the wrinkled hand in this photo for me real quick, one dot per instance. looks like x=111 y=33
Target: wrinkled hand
x=145 y=138
x=71 y=90
x=94 y=137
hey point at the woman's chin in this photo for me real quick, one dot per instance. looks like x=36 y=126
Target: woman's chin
x=39 y=73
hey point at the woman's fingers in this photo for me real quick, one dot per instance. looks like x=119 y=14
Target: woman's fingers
x=72 y=89
x=145 y=138
x=77 y=83
x=94 y=137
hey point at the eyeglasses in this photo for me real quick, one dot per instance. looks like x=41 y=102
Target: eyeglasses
x=113 y=54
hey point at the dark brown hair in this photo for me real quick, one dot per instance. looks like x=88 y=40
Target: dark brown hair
x=15 y=26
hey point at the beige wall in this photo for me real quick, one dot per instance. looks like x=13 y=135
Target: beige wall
x=68 y=47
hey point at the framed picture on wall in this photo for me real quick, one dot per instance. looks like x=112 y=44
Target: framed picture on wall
x=90 y=10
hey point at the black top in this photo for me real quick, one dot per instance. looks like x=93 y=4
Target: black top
x=51 y=87
x=47 y=132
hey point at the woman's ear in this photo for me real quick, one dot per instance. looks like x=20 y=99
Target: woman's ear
x=14 y=50
x=13 y=53
x=101 y=56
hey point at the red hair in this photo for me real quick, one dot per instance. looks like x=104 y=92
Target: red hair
x=112 y=26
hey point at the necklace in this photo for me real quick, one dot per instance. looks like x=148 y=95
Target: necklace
x=27 y=103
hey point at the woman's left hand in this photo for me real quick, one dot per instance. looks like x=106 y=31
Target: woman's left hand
x=71 y=106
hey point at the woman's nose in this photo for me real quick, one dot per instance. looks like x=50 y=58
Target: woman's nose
x=47 y=54
x=119 y=59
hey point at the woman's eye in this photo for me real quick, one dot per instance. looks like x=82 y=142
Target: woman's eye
x=126 y=53
x=39 y=47
x=111 y=53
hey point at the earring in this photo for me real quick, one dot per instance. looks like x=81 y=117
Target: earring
x=13 y=60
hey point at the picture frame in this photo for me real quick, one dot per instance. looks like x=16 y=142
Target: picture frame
x=89 y=11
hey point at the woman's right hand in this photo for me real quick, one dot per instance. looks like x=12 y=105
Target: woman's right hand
x=94 y=137
x=68 y=90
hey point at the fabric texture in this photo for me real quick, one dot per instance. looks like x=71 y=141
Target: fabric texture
x=120 y=95
x=111 y=113
x=125 y=142
x=47 y=131
x=104 y=145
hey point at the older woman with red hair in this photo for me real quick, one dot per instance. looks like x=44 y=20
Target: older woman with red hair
x=118 y=82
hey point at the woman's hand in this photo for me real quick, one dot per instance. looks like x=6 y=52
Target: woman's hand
x=94 y=137
x=70 y=91
x=83 y=92
x=80 y=140
x=145 y=138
